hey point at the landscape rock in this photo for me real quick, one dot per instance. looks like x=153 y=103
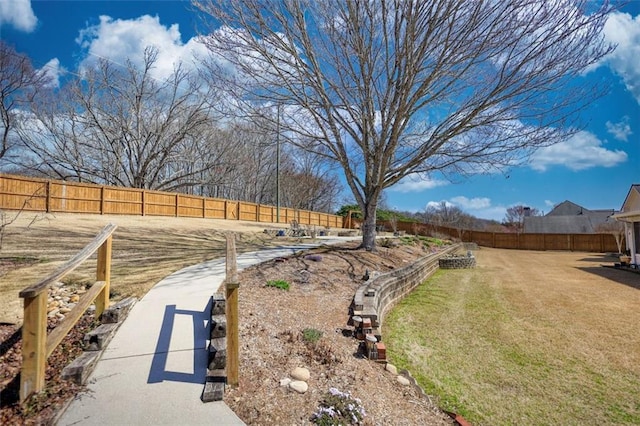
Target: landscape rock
x=391 y=369
x=285 y=382
x=301 y=374
x=299 y=386
x=403 y=381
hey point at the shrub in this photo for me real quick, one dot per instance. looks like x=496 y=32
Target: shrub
x=311 y=335
x=281 y=284
x=339 y=408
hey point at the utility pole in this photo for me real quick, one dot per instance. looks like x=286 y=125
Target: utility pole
x=278 y=166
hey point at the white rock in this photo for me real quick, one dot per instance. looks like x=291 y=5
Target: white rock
x=299 y=386
x=403 y=381
x=285 y=382
x=300 y=373
x=391 y=369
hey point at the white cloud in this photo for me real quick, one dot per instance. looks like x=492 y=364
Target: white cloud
x=53 y=70
x=416 y=184
x=437 y=204
x=471 y=203
x=19 y=14
x=621 y=130
x=122 y=39
x=549 y=203
x=582 y=151
x=624 y=30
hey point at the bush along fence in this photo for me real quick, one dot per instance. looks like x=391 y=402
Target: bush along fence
x=377 y=296
x=45 y=195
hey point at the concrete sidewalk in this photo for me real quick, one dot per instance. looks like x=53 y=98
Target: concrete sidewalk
x=153 y=370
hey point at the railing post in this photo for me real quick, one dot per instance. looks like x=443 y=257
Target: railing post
x=232 y=285
x=103 y=273
x=34 y=343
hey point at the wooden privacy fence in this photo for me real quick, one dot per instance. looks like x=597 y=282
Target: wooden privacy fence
x=598 y=243
x=36 y=345
x=44 y=195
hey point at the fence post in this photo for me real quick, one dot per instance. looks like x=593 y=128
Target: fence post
x=102 y=200
x=48 y=200
x=103 y=273
x=232 y=285
x=34 y=344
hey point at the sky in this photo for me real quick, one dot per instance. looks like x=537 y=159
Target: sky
x=594 y=169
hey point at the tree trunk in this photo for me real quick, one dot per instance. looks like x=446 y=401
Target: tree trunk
x=369 y=226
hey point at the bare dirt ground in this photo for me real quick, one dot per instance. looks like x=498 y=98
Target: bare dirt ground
x=273 y=319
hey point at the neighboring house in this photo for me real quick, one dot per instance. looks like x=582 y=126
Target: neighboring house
x=630 y=216
x=567 y=218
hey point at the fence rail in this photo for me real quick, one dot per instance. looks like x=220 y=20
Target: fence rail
x=36 y=345
x=45 y=195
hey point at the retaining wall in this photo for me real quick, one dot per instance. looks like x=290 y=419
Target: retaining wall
x=376 y=296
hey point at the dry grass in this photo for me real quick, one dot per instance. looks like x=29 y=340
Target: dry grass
x=145 y=250
x=526 y=338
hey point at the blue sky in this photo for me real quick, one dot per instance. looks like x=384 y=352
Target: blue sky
x=594 y=169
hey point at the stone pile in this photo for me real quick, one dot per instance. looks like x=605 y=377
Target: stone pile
x=61 y=299
x=298 y=380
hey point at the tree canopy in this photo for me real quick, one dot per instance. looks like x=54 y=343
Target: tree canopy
x=388 y=89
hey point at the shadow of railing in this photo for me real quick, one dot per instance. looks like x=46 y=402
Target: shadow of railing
x=158 y=372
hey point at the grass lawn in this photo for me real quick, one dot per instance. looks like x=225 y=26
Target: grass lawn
x=526 y=338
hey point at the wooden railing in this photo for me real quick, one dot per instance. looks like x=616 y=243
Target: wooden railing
x=36 y=345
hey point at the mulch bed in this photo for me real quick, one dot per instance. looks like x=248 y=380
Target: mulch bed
x=43 y=407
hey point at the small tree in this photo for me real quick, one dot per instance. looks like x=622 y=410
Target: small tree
x=514 y=218
x=614 y=228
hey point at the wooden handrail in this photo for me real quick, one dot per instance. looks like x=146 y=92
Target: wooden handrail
x=73 y=263
x=36 y=345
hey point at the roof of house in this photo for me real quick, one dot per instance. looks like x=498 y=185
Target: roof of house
x=560 y=224
x=632 y=200
x=567 y=218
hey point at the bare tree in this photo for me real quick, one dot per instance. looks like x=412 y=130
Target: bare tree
x=388 y=89
x=19 y=84
x=514 y=217
x=614 y=228
x=123 y=127
x=309 y=183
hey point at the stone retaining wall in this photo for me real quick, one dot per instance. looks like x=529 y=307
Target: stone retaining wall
x=375 y=297
x=457 y=262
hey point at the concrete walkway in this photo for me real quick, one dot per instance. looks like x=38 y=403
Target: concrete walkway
x=153 y=370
